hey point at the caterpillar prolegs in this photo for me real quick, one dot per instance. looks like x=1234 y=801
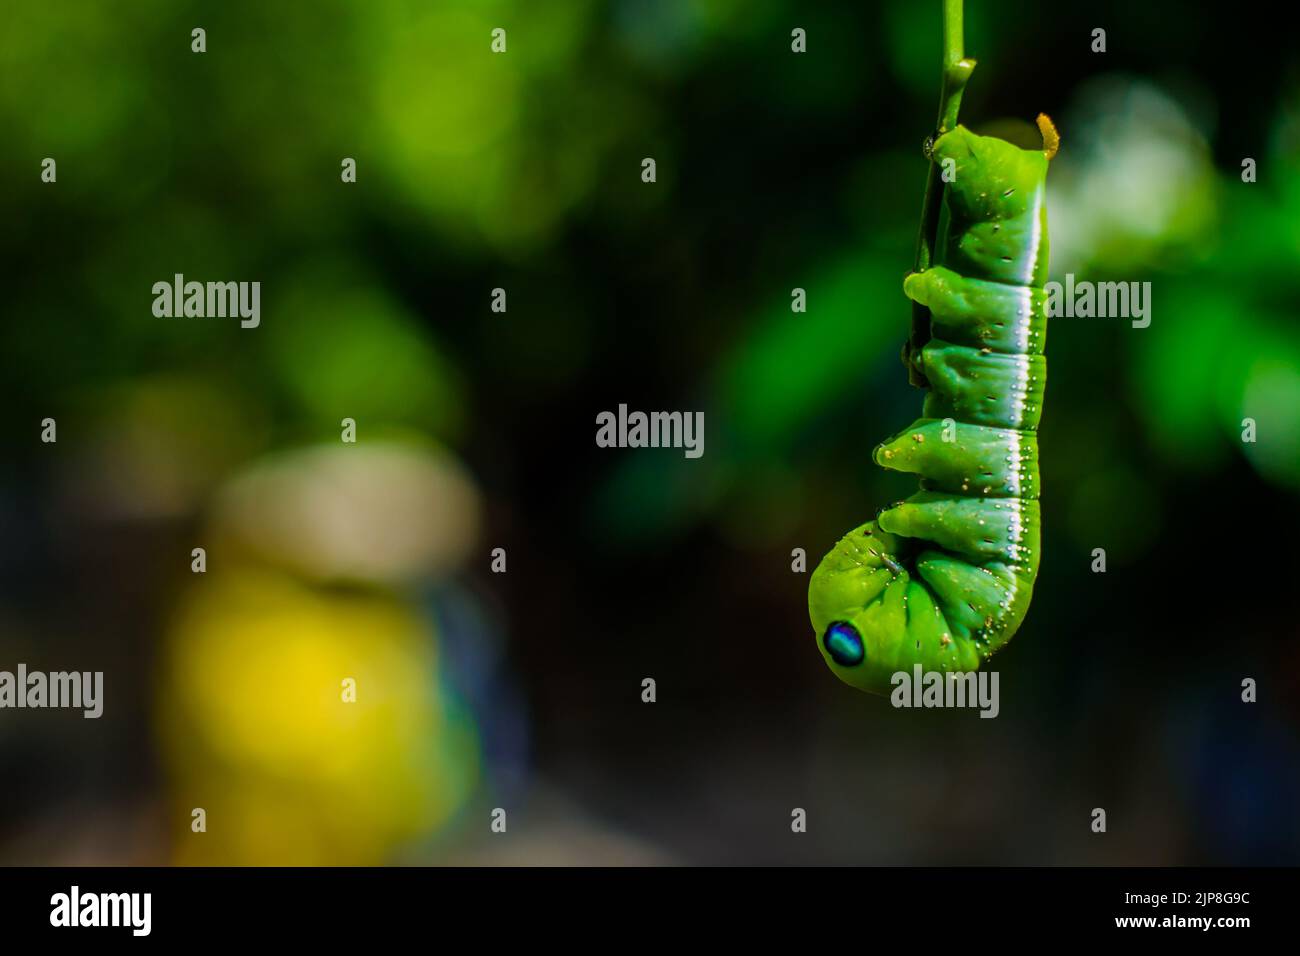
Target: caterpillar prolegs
x=944 y=578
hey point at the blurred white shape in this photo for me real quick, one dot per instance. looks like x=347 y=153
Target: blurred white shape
x=381 y=511
x=1133 y=183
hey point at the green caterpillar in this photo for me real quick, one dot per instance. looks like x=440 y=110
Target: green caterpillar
x=944 y=578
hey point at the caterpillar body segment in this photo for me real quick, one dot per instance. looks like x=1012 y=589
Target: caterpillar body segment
x=979 y=460
x=944 y=578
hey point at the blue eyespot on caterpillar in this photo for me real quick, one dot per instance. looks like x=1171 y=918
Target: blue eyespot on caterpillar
x=944 y=578
x=843 y=643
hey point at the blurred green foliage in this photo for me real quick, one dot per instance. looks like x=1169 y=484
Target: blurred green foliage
x=477 y=170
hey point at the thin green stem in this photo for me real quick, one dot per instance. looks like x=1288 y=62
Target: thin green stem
x=956 y=72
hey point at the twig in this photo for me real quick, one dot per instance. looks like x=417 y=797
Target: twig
x=957 y=69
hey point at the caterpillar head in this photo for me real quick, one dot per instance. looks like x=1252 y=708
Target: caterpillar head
x=855 y=602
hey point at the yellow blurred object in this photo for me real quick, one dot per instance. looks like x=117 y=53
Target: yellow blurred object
x=258 y=732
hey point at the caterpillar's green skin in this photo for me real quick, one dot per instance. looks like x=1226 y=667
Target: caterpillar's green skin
x=944 y=578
